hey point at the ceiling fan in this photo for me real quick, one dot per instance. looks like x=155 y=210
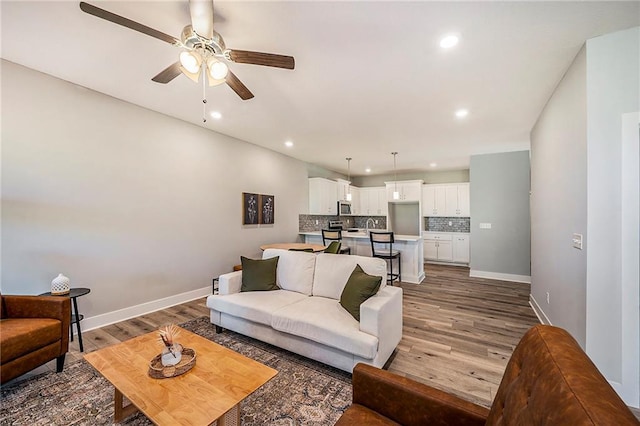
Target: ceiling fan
x=203 y=48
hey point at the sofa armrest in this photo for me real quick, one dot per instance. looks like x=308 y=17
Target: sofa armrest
x=409 y=402
x=56 y=307
x=230 y=283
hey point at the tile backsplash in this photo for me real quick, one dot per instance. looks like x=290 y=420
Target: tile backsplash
x=441 y=224
x=307 y=222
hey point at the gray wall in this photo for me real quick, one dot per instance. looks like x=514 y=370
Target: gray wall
x=131 y=203
x=613 y=88
x=559 y=203
x=500 y=195
x=576 y=162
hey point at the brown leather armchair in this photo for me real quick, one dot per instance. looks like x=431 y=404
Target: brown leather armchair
x=549 y=380
x=33 y=330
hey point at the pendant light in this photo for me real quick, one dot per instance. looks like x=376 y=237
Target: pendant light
x=396 y=194
x=348 y=178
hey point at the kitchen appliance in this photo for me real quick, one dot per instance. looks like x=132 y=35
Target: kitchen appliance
x=335 y=225
x=344 y=208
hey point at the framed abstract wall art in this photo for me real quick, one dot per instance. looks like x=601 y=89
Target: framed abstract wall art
x=267 y=209
x=250 y=209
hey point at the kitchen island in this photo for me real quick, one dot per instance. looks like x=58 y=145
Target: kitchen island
x=411 y=247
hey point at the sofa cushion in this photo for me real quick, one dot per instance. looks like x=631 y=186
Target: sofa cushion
x=333 y=271
x=360 y=286
x=259 y=275
x=323 y=320
x=257 y=306
x=20 y=336
x=295 y=269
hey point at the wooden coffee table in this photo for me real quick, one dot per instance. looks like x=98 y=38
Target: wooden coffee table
x=211 y=391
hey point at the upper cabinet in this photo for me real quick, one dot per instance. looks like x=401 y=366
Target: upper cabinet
x=373 y=201
x=408 y=190
x=323 y=196
x=457 y=200
x=343 y=189
x=448 y=200
x=355 y=200
x=433 y=200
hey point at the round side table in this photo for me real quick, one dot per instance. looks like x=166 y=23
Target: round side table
x=74 y=293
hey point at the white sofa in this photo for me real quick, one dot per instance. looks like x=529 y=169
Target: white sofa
x=305 y=315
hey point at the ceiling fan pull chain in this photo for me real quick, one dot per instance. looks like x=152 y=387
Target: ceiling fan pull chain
x=204 y=99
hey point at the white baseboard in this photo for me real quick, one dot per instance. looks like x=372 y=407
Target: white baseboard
x=499 y=276
x=142 y=309
x=542 y=317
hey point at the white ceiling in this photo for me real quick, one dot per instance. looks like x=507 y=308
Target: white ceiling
x=370 y=77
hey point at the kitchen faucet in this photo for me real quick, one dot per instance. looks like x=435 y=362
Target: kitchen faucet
x=373 y=223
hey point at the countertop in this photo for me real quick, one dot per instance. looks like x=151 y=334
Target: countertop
x=365 y=235
x=446 y=232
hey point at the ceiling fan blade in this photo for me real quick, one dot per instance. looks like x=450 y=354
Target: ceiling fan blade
x=202 y=17
x=259 y=58
x=238 y=86
x=168 y=74
x=125 y=22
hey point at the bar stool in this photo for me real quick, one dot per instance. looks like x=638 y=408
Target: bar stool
x=334 y=235
x=382 y=247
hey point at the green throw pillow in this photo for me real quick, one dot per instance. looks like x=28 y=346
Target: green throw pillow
x=259 y=275
x=359 y=288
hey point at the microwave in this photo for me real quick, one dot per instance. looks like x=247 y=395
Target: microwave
x=344 y=208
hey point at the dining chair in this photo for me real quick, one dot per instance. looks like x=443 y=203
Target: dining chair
x=334 y=235
x=333 y=248
x=382 y=247
x=308 y=250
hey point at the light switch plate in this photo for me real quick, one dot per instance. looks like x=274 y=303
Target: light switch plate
x=577 y=241
x=485 y=226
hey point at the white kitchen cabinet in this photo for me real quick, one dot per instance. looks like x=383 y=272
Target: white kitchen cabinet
x=446 y=247
x=461 y=248
x=373 y=201
x=433 y=200
x=355 y=200
x=342 y=189
x=457 y=200
x=438 y=246
x=323 y=196
x=448 y=200
x=382 y=207
x=408 y=190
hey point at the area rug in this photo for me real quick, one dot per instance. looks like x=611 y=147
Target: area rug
x=304 y=392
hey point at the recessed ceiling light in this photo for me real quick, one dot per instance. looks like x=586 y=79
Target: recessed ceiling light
x=461 y=113
x=216 y=115
x=433 y=164
x=288 y=144
x=449 y=41
x=367 y=170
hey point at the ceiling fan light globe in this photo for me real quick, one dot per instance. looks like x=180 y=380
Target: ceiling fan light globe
x=218 y=70
x=190 y=61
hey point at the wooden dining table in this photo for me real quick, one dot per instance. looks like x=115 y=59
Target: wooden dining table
x=296 y=246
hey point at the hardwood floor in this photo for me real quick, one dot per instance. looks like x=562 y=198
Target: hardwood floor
x=458 y=331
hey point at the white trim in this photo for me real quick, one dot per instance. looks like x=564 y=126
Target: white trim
x=499 y=276
x=142 y=309
x=435 y=262
x=542 y=317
